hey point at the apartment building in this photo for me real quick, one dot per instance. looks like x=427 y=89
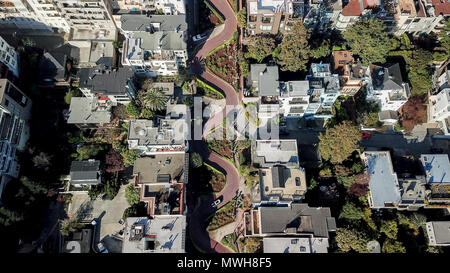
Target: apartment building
x=86 y=14
x=351 y=73
x=154 y=45
x=15 y=112
x=8 y=56
x=386 y=86
x=352 y=12
x=273 y=16
x=165 y=136
x=269 y=153
x=114 y=84
x=436 y=168
x=417 y=16
x=167 y=7
x=439 y=110
x=438 y=233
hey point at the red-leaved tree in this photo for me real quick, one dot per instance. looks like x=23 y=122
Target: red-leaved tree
x=114 y=162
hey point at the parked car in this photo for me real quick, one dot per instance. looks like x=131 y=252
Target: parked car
x=366 y=135
x=217 y=202
x=102 y=248
x=198 y=37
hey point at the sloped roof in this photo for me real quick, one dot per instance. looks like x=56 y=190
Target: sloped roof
x=85 y=172
x=441 y=7
x=386 y=77
x=353 y=8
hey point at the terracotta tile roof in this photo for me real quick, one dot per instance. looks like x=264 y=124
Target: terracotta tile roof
x=371 y=3
x=441 y=7
x=353 y=8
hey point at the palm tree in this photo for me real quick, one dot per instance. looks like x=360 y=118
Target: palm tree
x=154 y=100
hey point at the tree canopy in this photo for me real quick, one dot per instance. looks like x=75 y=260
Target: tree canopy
x=369 y=40
x=351 y=212
x=259 y=47
x=339 y=142
x=351 y=239
x=154 y=100
x=132 y=194
x=294 y=49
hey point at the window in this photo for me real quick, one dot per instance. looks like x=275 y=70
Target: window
x=267 y=20
x=302 y=249
x=297 y=181
x=6 y=102
x=265 y=28
x=294 y=241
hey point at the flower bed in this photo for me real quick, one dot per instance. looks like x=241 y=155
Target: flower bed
x=223 y=63
x=223 y=216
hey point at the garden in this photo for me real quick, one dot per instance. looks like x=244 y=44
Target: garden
x=225 y=215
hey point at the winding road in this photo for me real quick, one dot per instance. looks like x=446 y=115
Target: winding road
x=198 y=233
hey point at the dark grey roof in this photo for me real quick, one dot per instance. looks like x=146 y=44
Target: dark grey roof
x=133 y=22
x=266 y=78
x=85 y=172
x=278 y=179
x=52 y=66
x=387 y=77
x=103 y=79
x=298 y=218
x=441 y=232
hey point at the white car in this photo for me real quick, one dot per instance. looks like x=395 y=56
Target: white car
x=198 y=37
x=102 y=248
x=216 y=202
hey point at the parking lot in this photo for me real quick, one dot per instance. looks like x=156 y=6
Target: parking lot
x=106 y=212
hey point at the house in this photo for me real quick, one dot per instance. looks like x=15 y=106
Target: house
x=324 y=90
x=264 y=79
x=273 y=16
x=438 y=233
x=8 y=56
x=353 y=11
x=15 y=114
x=161 y=234
x=113 y=84
x=53 y=69
x=351 y=74
x=166 y=135
x=438 y=107
x=295 y=245
x=298 y=219
x=268 y=153
x=89 y=112
x=279 y=185
x=161 y=179
x=386 y=189
x=85 y=173
x=294 y=98
x=88 y=53
x=386 y=86
x=154 y=45
x=437 y=169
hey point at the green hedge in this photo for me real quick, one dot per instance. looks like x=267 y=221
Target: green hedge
x=213 y=10
x=209 y=90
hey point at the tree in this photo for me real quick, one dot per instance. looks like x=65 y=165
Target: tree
x=321 y=50
x=27 y=41
x=294 y=49
x=132 y=110
x=357 y=167
x=351 y=212
x=112 y=186
x=42 y=161
x=154 y=100
x=341 y=170
x=312 y=184
x=136 y=210
x=413 y=113
x=132 y=194
x=346 y=181
x=357 y=190
x=196 y=160
x=114 y=162
x=339 y=142
x=73 y=92
x=147 y=114
x=369 y=40
x=259 y=47
x=88 y=151
x=68 y=226
x=33 y=187
x=242 y=17
x=129 y=156
x=419 y=74
x=389 y=228
x=351 y=239
x=391 y=246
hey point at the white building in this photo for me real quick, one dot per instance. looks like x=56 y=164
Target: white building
x=168 y=7
x=439 y=112
x=155 y=45
x=438 y=233
x=86 y=14
x=294 y=98
x=8 y=56
x=416 y=17
x=15 y=112
x=386 y=87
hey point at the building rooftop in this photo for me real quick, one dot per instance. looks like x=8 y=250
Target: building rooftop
x=160 y=169
x=295 y=245
x=143 y=132
x=383 y=184
x=438 y=232
x=80 y=242
x=88 y=111
x=105 y=80
x=279 y=183
x=52 y=66
x=297 y=88
x=298 y=218
x=167 y=40
x=272 y=152
x=85 y=172
x=386 y=77
x=162 y=234
x=265 y=79
x=436 y=167
x=134 y=22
